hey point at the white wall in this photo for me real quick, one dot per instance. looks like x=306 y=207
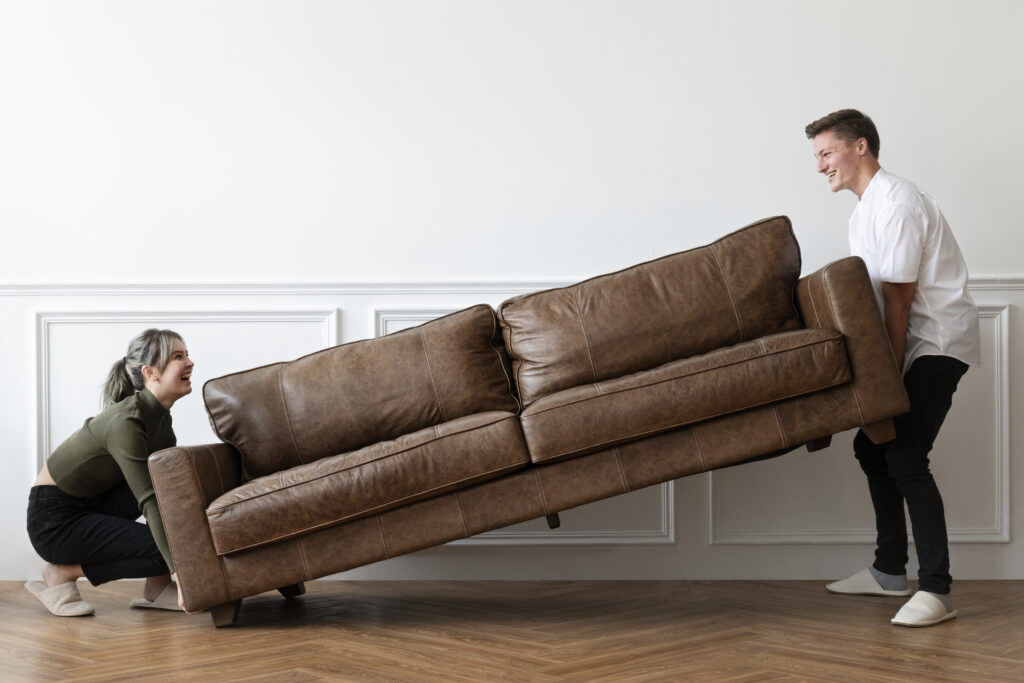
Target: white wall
x=273 y=177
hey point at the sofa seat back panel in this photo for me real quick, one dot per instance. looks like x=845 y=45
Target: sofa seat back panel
x=350 y=486
x=732 y=290
x=596 y=416
x=353 y=395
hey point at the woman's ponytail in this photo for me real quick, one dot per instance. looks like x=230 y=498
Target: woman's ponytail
x=119 y=383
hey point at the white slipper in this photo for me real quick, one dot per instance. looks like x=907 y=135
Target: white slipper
x=63 y=600
x=168 y=599
x=924 y=609
x=863 y=583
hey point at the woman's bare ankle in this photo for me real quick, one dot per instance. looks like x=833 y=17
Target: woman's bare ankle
x=56 y=574
x=155 y=586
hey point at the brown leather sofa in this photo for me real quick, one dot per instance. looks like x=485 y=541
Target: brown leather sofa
x=481 y=419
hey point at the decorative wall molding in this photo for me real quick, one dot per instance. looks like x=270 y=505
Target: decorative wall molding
x=386 y=321
x=663 y=534
x=46 y=321
x=999 y=532
x=496 y=287
x=483 y=287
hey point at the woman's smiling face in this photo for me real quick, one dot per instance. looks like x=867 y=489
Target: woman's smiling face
x=175 y=380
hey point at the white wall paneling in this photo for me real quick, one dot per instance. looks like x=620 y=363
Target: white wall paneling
x=75 y=349
x=799 y=516
x=386 y=322
x=806 y=505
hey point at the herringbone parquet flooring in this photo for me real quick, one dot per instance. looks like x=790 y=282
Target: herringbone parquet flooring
x=522 y=631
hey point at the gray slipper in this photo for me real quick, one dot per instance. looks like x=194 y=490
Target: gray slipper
x=63 y=600
x=863 y=583
x=168 y=599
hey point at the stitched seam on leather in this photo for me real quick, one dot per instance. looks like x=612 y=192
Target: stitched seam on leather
x=501 y=364
x=778 y=421
x=383 y=538
x=814 y=304
x=732 y=299
x=775 y=405
x=636 y=436
x=622 y=472
x=383 y=457
x=302 y=556
x=833 y=340
x=583 y=328
x=835 y=319
x=540 y=492
x=388 y=504
x=517 y=362
x=363 y=514
x=220 y=477
x=462 y=514
x=700 y=449
x=199 y=487
x=287 y=415
x=157 y=496
x=430 y=369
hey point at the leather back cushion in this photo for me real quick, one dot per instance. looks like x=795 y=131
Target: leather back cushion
x=350 y=396
x=735 y=289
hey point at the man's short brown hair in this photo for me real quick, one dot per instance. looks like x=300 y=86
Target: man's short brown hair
x=848 y=124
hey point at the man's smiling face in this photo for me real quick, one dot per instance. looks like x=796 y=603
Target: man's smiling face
x=839 y=160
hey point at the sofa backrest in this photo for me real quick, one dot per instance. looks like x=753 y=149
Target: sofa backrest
x=735 y=289
x=350 y=396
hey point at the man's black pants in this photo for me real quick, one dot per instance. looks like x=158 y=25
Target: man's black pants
x=898 y=471
x=99 y=533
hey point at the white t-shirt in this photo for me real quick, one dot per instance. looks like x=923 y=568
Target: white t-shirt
x=902 y=236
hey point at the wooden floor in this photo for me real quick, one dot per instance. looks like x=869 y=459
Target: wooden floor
x=522 y=631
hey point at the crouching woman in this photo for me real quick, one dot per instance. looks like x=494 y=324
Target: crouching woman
x=83 y=506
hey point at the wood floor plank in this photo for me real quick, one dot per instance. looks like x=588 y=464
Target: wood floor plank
x=541 y=631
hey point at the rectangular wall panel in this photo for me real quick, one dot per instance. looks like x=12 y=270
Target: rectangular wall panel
x=822 y=497
x=76 y=350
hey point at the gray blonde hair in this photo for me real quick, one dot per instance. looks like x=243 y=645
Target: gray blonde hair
x=153 y=347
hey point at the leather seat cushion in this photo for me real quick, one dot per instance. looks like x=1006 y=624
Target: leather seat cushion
x=599 y=415
x=389 y=474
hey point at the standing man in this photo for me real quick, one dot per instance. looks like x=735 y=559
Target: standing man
x=920 y=281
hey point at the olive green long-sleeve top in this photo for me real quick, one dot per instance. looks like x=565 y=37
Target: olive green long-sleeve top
x=113 y=447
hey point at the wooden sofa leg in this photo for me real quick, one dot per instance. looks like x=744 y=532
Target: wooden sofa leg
x=293 y=591
x=819 y=444
x=226 y=614
x=880 y=432
x=553 y=521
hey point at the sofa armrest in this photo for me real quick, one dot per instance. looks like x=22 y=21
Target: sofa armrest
x=186 y=480
x=840 y=297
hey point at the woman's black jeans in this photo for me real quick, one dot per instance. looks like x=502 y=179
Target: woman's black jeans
x=99 y=533
x=898 y=471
